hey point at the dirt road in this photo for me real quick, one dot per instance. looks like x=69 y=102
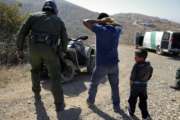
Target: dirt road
x=17 y=103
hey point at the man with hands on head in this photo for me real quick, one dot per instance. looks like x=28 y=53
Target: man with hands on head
x=107 y=39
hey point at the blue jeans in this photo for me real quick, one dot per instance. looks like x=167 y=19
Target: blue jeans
x=112 y=71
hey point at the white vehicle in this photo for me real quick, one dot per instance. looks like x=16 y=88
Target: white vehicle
x=160 y=41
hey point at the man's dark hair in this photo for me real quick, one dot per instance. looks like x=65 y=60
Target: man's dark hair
x=102 y=15
x=141 y=53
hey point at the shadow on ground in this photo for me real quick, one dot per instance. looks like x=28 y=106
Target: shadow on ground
x=41 y=111
x=70 y=114
x=102 y=114
x=170 y=56
x=176 y=88
x=105 y=116
x=177 y=58
x=78 y=85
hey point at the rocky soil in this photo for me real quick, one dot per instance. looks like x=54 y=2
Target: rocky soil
x=17 y=103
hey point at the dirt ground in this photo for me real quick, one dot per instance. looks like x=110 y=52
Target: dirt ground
x=17 y=103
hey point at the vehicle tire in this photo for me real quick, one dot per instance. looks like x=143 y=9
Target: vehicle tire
x=91 y=64
x=69 y=71
x=175 y=53
x=159 y=50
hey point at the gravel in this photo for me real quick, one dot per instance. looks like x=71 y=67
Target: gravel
x=16 y=101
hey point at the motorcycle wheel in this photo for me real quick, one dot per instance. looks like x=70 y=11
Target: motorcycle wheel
x=91 y=64
x=69 y=71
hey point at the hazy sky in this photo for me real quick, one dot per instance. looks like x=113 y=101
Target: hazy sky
x=168 y=9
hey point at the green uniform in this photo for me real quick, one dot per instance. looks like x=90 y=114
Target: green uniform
x=41 y=26
x=178 y=78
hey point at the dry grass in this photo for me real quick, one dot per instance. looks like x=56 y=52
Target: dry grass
x=13 y=74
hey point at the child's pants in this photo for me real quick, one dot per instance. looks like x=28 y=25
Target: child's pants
x=141 y=92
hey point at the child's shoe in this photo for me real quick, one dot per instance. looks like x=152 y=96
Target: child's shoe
x=130 y=115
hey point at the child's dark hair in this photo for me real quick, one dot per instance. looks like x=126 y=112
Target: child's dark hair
x=141 y=53
x=102 y=15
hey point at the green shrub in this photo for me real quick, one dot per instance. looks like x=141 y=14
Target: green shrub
x=10 y=18
x=10 y=21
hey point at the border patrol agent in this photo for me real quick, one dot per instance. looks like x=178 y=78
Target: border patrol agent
x=45 y=28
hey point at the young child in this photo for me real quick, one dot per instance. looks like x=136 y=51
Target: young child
x=177 y=84
x=140 y=75
x=178 y=79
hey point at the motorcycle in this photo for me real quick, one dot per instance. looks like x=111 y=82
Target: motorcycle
x=77 y=57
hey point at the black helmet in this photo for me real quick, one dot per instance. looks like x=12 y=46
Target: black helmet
x=51 y=6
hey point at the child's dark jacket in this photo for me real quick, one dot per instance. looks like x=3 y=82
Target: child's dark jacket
x=141 y=73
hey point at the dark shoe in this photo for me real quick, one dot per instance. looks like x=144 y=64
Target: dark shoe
x=90 y=104
x=117 y=108
x=130 y=115
x=59 y=107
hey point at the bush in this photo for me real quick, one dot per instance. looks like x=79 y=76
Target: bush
x=10 y=20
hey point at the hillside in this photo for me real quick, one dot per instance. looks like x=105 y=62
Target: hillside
x=133 y=23
x=73 y=15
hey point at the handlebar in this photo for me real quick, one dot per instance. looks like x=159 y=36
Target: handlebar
x=80 y=38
